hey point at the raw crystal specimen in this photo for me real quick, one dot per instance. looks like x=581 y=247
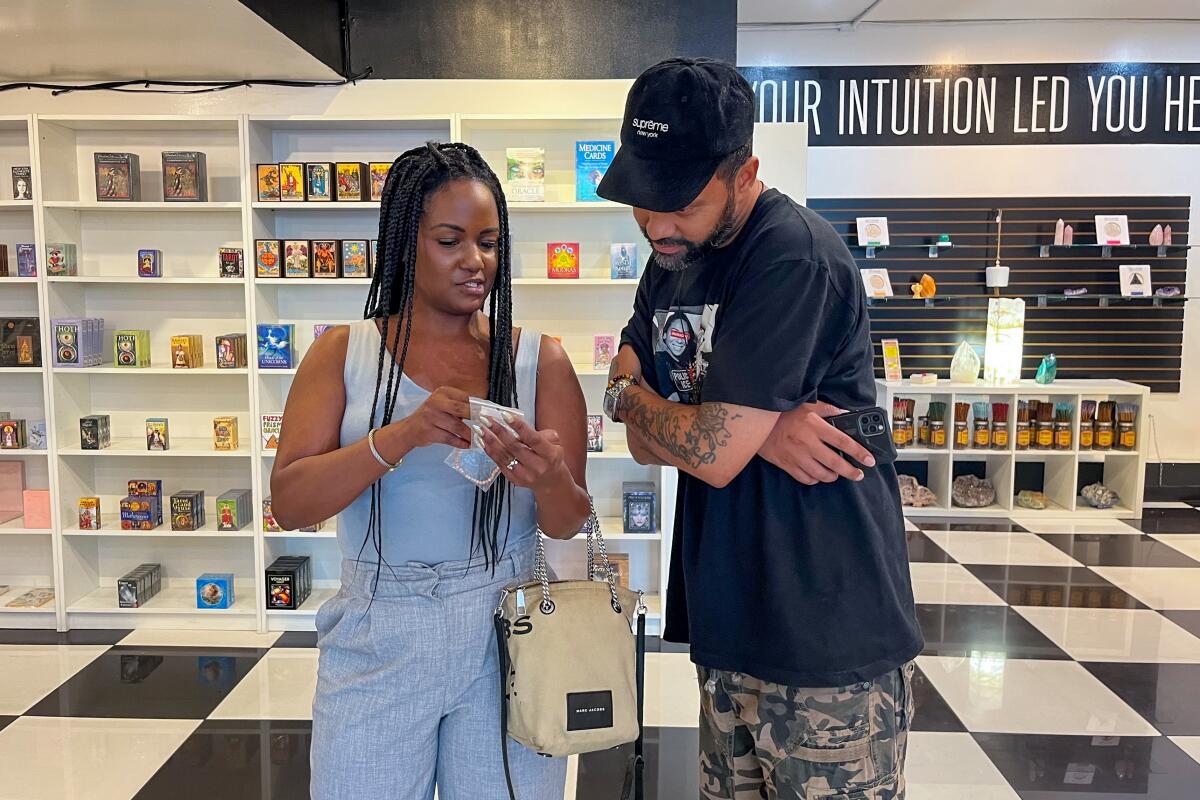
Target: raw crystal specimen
x=1047 y=370
x=1079 y=292
x=1157 y=235
x=925 y=288
x=1030 y=499
x=972 y=492
x=1100 y=496
x=965 y=366
x=1167 y=291
x=914 y=494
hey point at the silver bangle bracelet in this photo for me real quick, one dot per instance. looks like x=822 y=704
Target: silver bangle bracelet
x=375 y=452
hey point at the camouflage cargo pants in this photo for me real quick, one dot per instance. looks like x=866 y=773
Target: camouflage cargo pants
x=765 y=741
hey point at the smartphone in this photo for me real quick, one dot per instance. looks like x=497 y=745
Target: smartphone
x=869 y=428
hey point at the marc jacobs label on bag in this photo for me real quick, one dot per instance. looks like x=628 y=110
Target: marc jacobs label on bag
x=588 y=711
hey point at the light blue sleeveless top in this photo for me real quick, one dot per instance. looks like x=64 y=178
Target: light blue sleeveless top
x=427 y=506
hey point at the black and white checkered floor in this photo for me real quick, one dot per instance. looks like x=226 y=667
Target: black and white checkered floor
x=1063 y=658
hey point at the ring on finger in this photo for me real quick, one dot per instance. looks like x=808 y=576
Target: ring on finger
x=510 y=466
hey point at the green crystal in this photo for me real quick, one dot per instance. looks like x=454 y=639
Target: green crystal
x=1047 y=370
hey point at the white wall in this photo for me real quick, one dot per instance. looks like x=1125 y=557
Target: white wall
x=1014 y=170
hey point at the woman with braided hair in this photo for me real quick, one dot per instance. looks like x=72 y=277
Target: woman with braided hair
x=407 y=690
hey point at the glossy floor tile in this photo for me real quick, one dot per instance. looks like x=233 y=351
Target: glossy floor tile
x=1119 y=550
x=280 y=687
x=672 y=767
x=909 y=525
x=1186 y=543
x=672 y=691
x=6 y=721
x=167 y=683
x=1168 y=520
x=158 y=637
x=1096 y=634
x=923 y=549
x=1011 y=547
x=956 y=630
x=997 y=695
x=1189 y=745
x=1061 y=587
x=1188 y=620
x=1164 y=694
x=1074 y=767
x=968 y=524
x=30 y=672
x=950 y=583
x=931 y=711
x=265 y=759
x=1158 y=587
x=68 y=758
x=297 y=639
x=952 y=766
x=1042 y=525
x=81 y=636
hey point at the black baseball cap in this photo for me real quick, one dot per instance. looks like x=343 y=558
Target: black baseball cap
x=682 y=117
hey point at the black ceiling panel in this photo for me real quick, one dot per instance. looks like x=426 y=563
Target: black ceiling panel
x=497 y=39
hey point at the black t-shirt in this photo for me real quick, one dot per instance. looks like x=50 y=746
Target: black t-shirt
x=800 y=585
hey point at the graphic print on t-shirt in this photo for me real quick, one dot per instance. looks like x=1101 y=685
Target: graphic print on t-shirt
x=682 y=339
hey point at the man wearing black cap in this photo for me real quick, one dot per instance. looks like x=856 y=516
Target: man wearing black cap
x=789 y=569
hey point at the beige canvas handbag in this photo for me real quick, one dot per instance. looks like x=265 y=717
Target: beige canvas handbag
x=572 y=669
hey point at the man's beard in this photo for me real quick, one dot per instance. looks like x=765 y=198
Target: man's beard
x=692 y=251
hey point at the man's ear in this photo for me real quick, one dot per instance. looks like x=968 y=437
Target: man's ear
x=748 y=175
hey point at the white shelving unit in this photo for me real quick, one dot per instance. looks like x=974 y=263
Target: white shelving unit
x=83 y=565
x=1063 y=472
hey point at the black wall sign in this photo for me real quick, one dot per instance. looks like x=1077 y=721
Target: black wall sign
x=1116 y=103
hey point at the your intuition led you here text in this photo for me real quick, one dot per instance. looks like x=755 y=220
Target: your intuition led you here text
x=968 y=106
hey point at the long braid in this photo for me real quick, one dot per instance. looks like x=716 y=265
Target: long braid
x=412 y=178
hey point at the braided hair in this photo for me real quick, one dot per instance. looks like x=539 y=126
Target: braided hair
x=413 y=177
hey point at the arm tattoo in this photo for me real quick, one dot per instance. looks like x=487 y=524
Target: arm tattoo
x=689 y=435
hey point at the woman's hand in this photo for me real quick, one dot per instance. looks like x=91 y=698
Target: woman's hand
x=538 y=455
x=439 y=420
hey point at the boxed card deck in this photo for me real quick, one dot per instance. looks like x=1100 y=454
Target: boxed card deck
x=269 y=523
x=214 y=590
x=319 y=181
x=595 y=433
x=61 y=259
x=34 y=598
x=562 y=260
x=272 y=424
x=296 y=261
x=225 y=433
x=275 y=346
x=13 y=434
x=187 y=351
x=234 y=510
x=148 y=488
x=231 y=262
x=639 y=501
x=379 y=172
x=267 y=261
x=20 y=342
x=131 y=348
x=289 y=582
x=27 y=260
x=158 y=434
x=185 y=176
x=37 y=435
x=351 y=181
x=354 y=259
x=526 y=174
x=94 y=432
x=231 y=351
x=118 y=176
x=624 y=258
x=149 y=263
x=187 y=510
x=3 y=260
x=22 y=183
x=138 y=586
x=268 y=183
x=592 y=160
x=141 y=512
x=89 y=514
x=325 y=259
x=603 y=350
x=291 y=183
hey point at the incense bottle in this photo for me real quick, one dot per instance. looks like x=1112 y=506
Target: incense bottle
x=1000 y=426
x=1023 y=433
x=1087 y=431
x=1062 y=427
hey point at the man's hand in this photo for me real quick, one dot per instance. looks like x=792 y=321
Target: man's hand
x=626 y=363
x=805 y=446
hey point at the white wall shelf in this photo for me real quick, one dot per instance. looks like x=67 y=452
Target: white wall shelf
x=136 y=281
x=1063 y=472
x=142 y=205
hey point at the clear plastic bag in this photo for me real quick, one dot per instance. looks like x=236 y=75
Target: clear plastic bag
x=474 y=463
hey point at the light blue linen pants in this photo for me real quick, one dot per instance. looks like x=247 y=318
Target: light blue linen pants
x=408 y=688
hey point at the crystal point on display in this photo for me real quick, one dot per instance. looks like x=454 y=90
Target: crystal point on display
x=970 y=491
x=1167 y=236
x=1156 y=235
x=1098 y=495
x=1069 y=235
x=1058 y=231
x=965 y=366
x=1027 y=498
x=1047 y=370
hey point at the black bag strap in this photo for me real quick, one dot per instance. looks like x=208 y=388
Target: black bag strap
x=502 y=653
x=634 y=788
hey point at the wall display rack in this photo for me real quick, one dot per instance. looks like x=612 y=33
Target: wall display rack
x=83 y=565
